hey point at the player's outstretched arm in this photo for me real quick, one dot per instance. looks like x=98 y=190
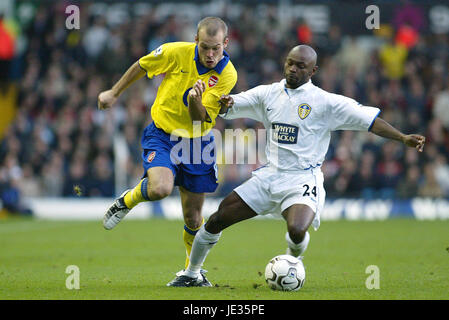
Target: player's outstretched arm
x=384 y=129
x=107 y=98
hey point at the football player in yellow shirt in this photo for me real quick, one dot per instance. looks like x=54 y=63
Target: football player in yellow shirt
x=184 y=111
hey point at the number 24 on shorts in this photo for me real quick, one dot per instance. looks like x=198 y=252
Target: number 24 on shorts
x=307 y=192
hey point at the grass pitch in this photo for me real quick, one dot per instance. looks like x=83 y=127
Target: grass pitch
x=138 y=258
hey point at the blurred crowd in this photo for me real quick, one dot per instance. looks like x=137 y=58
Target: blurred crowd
x=59 y=139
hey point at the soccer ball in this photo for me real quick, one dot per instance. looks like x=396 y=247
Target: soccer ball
x=285 y=273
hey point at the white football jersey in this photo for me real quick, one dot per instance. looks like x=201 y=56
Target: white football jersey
x=299 y=121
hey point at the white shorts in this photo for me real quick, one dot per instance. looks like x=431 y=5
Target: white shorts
x=270 y=191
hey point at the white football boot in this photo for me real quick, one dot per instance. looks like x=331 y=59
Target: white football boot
x=183 y=280
x=116 y=212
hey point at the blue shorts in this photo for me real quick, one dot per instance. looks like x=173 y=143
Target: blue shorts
x=192 y=161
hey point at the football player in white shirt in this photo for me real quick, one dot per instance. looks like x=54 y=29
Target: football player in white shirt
x=300 y=118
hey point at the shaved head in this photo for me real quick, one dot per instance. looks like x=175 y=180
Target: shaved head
x=300 y=66
x=306 y=52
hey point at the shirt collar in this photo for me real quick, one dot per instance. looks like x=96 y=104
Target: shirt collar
x=218 y=68
x=304 y=86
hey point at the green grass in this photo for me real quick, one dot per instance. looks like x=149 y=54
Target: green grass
x=138 y=258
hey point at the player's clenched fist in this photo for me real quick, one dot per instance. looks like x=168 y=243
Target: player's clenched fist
x=226 y=102
x=106 y=99
x=415 y=141
x=197 y=90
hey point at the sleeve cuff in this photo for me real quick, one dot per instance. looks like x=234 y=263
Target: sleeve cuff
x=224 y=114
x=208 y=118
x=372 y=122
x=146 y=72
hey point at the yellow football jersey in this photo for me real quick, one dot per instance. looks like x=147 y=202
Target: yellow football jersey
x=180 y=64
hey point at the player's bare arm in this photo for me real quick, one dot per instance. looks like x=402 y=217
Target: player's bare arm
x=197 y=110
x=384 y=129
x=107 y=98
x=226 y=102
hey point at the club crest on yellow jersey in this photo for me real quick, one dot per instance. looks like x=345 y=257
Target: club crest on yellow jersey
x=212 y=81
x=304 y=110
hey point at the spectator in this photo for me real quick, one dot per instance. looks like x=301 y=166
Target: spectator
x=53 y=175
x=96 y=38
x=407 y=36
x=10 y=196
x=393 y=56
x=442 y=173
x=364 y=181
x=352 y=57
x=303 y=33
x=7 y=52
x=77 y=177
x=430 y=187
x=27 y=185
x=415 y=96
x=388 y=170
x=333 y=42
x=441 y=107
x=409 y=187
x=101 y=180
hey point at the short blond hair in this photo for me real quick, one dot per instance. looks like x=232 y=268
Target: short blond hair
x=212 y=25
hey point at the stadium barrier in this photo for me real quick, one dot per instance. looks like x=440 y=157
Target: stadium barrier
x=170 y=208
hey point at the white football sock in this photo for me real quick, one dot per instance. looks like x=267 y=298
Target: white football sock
x=296 y=249
x=204 y=241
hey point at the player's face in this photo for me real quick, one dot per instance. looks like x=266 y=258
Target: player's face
x=210 y=48
x=298 y=69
